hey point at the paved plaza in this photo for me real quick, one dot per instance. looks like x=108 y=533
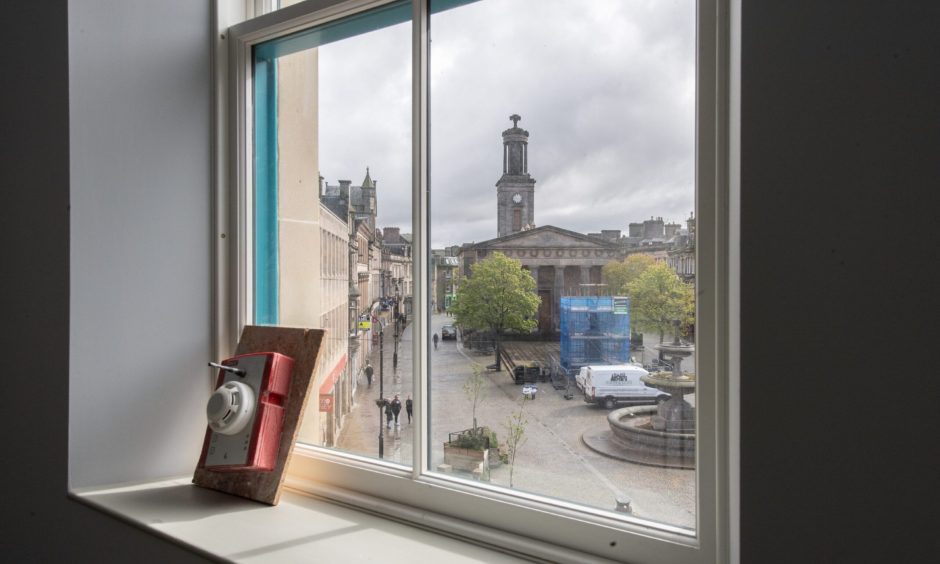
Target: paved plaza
x=553 y=461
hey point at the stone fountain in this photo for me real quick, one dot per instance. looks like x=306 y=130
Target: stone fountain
x=659 y=435
x=675 y=415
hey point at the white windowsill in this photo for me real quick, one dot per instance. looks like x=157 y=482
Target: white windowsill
x=299 y=529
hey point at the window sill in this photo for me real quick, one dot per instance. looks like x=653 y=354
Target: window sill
x=300 y=528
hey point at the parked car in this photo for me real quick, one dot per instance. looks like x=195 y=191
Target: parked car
x=448 y=332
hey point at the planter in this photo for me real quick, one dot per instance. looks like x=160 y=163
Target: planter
x=466 y=459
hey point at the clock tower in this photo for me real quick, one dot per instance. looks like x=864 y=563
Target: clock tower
x=515 y=190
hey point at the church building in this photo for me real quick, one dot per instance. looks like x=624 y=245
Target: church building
x=562 y=262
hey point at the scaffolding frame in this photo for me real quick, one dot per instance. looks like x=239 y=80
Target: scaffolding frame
x=594 y=330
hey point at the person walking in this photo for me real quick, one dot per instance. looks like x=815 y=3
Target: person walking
x=409 y=406
x=396 y=409
x=388 y=414
x=368 y=370
x=435 y=339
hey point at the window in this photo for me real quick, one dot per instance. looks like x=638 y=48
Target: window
x=407 y=95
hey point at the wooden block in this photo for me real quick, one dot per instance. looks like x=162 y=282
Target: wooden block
x=303 y=345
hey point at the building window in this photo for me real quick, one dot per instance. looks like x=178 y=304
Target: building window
x=504 y=431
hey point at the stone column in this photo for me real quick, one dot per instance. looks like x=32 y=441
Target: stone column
x=586 y=276
x=534 y=270
x=556 y=298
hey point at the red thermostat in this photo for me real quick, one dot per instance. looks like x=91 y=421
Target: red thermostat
x=246 y=412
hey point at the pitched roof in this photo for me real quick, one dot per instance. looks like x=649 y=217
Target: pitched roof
x=544 y=235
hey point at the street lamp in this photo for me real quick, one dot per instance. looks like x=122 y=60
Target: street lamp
x=397 y=315
x=395 y=354
x=381 y=401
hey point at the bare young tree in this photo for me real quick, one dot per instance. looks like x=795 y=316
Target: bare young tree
x=515 y=435
x=475 y=390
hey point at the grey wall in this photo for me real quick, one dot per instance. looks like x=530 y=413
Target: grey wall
x=139 y=196
x=840 y=134
x=139 y=116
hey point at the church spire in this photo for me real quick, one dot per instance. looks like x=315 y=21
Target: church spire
x=367 y=181
x=515 y=190
x=515 y=148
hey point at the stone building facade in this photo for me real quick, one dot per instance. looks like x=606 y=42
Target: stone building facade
x=444 y=267
x=562 y=262
x=335 y=386
x=397 y=268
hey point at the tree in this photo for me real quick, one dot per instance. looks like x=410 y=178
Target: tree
x=658 y=296
x=475 y=390
x=515 y=435
x=620 y=274
x=498 y=296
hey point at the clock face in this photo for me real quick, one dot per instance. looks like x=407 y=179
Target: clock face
x=517 y=198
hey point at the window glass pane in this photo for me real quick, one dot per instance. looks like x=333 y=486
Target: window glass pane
x=563 y=242
x=332 y=219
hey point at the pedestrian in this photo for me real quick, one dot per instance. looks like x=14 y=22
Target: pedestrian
x=409 y=406
x=388 y=414
x=396 y=409
x=368 y=370
x=435 y=339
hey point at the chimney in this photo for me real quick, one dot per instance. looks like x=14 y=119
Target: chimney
x=392 y=234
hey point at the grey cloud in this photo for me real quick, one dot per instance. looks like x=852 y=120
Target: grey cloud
x=606 y=94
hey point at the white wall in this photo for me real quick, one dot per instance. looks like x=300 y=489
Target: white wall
x=139 y=131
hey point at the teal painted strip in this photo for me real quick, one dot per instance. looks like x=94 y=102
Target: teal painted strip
x=335 y=31
x=265 y=200
x=265 y=141
x=358 y=24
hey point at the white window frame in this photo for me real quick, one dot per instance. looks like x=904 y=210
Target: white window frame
x=514 y=521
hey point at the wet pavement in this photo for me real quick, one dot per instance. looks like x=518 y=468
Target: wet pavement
x=360 y=432
x=553 y=461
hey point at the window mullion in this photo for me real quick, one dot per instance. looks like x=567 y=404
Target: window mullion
x=420 y=222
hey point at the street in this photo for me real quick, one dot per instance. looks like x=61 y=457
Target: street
x=552 y=460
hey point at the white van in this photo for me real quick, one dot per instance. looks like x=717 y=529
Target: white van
x=617 y=383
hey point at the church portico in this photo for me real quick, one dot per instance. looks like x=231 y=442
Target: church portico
x=559 y=260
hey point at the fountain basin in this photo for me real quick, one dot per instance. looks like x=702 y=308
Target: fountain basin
x=631 y=436
x=680 y=349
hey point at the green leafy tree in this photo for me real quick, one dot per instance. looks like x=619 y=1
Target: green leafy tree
x=658 y=296
x=498 y=296
x=619 y=274
x=515 y=435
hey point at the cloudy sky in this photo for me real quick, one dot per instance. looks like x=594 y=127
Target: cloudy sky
x=606 y=94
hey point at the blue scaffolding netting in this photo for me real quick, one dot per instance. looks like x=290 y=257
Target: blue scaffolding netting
x=594 y=330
